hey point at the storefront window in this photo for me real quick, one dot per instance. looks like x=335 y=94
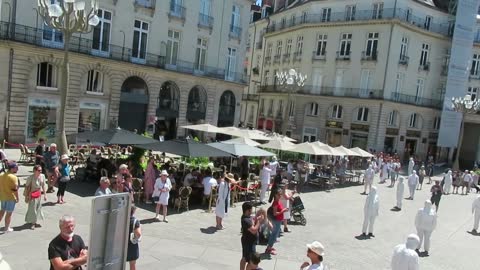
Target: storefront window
x=89 y=118
x=359 y=140
x=334 y=137
x=41 y=121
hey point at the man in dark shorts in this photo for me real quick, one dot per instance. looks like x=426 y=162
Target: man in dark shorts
x=67 y=250
x=249 y=233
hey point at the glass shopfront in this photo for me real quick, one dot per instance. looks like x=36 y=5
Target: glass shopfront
x=359 y=140
x=41 y=119
x=90 y=116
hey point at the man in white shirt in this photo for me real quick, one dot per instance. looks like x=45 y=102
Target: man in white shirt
x=274 y=166
x=208 y=182
x=315 y=252
x=265 y=178
x=189 y=178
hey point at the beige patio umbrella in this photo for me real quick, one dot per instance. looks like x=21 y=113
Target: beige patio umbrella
x=203 y=127
x=245 y=133
x=312 y=149
x=345 y=151
x=242 y=140
x=278 y=144
x=279 y=136
x=361 y=152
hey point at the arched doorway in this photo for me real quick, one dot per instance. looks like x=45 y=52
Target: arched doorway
x=133 y=105
x=196 y=108
x=226 y=111
x=167 y=111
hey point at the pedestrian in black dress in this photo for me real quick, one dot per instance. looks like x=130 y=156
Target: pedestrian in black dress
x=134 y=236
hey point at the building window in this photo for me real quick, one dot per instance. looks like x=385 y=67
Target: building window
x=428 y=21
x=200 y=54
x=475 y=63
x=46 y=75
x=288 y=48
x=362 y=114
x=399 y=83
x=291 y=108
x=473 y=92
x=345 y=44
x=235 y=29
x=270 y=108
x=89 y=117
x=326 y=14
x=266 y=77
x=52 y=36
x=101 y=32
x=336 y=112
x=392 y=119
x=231 y=64
x=299 y=48
x=377 y=11
x=304 y=17
x=404 y=49
x=94 y=82
x=262 y=107
x=205 y=7
x=321 y=45
x=372 y=45
x=269 y=50
x=140 y=37
x=41 y=119
x=309 y=134
x=408 y=14
x=413 y=121
x=350 y=12
x=312 y=109
x=436 y=123
x=292 y=20
x=279 y=48
x=173 y=45
x=424 y=54
x=420 y=89
x=283 y=22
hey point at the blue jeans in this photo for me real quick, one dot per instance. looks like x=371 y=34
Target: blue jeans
x=275 y=232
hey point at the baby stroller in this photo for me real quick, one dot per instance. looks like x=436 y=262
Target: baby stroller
x=296 y=211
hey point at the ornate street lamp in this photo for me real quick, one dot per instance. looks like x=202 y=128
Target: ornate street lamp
x=290 y=80
x=464 y=105
x=68 y=17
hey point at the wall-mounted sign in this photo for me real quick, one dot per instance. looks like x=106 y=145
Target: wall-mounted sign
x=359 y=127
x=334 y=124
x=413 y=133
x=392 y=131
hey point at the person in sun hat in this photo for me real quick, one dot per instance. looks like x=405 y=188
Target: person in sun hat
x=315 y=252
x=62 y=171
x=161 y=194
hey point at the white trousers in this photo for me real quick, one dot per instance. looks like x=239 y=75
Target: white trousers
x=447 y=187
x=368 y=222
x=424 y=234
x=412 y=190
x=263 y=191
x=399 y=201
x=476 y=219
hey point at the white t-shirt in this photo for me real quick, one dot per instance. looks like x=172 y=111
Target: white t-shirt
x=208 y=182
x=188 y=181
x=265 y=175
x=273 y=167
x=320 y=266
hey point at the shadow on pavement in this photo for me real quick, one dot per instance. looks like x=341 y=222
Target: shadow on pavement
x=473 y=233
x=149 y=221
x=394 y=209
x=25 y=226
x=362 y=237
x=49 y=204
x=209 y=230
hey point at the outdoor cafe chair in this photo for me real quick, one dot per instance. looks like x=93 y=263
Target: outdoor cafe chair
x=29 y=155
x=183 y=198
x=23 y=155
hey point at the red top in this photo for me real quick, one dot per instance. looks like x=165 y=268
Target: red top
x=278 y=207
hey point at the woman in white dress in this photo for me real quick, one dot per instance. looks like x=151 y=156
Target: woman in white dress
x=287 y=197
x=161 y=194
x=223 y=200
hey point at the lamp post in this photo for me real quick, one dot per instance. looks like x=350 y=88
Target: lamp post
x=289 y=79
x=68 y=17
x=464 y=105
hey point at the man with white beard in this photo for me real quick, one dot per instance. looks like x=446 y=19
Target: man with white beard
x=448 y=180
x=404 y=255
x=412 y=184
x=368 y=179
x=476 y=212
x=400 y=191
x=370 y=211
x=425 y=222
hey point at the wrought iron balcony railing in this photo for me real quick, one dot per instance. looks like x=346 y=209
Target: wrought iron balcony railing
x=403 y=60
x=235 y=32
x=205 y=21
x=177 y=12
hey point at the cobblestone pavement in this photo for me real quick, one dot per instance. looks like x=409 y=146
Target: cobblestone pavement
x=334 y=218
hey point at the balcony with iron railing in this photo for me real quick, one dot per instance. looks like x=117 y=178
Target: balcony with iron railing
x=205 y=21
x=149 y=4
x=343 y=55
x=235 y=32
x=424 y=66
x=322 y=56
x=167 y=107
x=178 y=12
x=362 y=16
x=369 y=55
x=33 y=36
x=276 y=59
x=268 y=60
x=416 y=100
x=297 y=57
x=403 y=60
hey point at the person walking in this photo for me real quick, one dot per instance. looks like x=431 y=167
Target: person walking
x=368 y=179
x=404 y=255
x=162 y=193
x=421 y=175
x=315 y=252
x=437 y=192
x=51 y=159
x=411 y=164
x=62 y=172
x=39 y=151
x=275 y=213
x=67 y=250
x=400 y=191
x=394 y=170
x=134 y=236
x=250 y=227
x=448 y=180
x=265 y=181
x=412 y=184
x=223 y=199
x=467 y=181
x=476 y=212
x=425 y=222
x=150 y=177
x=430 y=169
x=286 y=199
x=34 y=187
x=8 y=194
x=370 y=211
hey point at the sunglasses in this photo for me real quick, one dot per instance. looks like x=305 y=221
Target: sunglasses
x=39 y=170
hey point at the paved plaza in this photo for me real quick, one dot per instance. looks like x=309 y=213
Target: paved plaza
x=334 y=218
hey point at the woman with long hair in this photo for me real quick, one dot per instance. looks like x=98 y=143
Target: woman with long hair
x=150 y=176
x=34 y=187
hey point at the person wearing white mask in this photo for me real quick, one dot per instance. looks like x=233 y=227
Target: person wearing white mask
x=368 y=179
x=3 y=264
x=265 y=178
x=411 y=164
x=425 y=222
x=400 y=191
x=404 y=255
x=370 y=210
x=476 y=212
x=448 y=179
x=412 y=184
x=384 y=172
